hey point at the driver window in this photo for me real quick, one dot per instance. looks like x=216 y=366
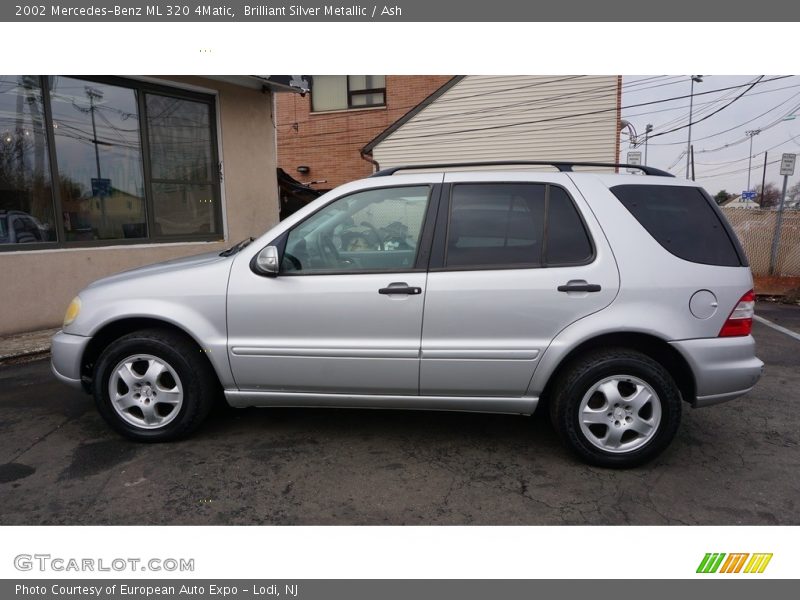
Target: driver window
x=374 y=230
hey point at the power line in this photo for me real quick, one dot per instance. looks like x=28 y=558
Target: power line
x=734 y=172
x=745 y=139
x=725 y=164
x=708 y=116
x=684 y=106
x=746 y=122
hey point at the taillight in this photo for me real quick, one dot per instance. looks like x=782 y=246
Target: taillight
x=740 y=321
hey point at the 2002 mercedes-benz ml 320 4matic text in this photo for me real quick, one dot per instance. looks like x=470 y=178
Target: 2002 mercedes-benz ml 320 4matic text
x=611 y=298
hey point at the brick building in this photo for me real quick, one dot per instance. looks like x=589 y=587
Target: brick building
x=326 y=130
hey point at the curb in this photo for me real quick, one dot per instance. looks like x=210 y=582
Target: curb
x=25 y=357
x=23 y=347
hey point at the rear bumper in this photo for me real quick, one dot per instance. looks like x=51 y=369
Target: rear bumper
x=65 y=357
x=724 y=368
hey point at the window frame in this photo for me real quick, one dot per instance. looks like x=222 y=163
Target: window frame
x=141 y=87
x=350 y=93
x=423 y=253
x=438 y=261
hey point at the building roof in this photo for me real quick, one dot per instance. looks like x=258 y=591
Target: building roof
x=736 y=201
x=410 y=114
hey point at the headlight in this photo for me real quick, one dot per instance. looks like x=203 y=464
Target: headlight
x=73 y=310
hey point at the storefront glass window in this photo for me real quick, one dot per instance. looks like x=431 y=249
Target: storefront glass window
x=99 y=155
x=26 y=198
x=182 y=165
x=106 y=160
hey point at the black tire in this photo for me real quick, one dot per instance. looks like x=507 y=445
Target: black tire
x=197 y=378
x=587 y=371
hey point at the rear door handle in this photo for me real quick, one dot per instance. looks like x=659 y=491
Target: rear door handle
x=400 y=287
x=579 y=285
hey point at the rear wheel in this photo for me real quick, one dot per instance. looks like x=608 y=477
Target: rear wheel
x=616 y=408
x=153 y=386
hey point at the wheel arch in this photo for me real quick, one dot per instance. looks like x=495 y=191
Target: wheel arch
x=118 y=328
x=656 y=348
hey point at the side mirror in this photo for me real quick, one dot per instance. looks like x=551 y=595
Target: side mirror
x=267 y=262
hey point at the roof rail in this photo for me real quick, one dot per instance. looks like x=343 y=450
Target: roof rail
x=563 y=166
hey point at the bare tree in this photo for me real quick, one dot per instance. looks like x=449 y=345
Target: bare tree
x=793 y=195
x=770 y=196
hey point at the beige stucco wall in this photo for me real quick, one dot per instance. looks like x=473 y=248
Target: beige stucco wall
x=38 y=285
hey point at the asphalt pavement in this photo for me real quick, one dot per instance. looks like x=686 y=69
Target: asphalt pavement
x=735 y=463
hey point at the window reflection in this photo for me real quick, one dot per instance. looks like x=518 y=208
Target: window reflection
x=122 y=173
x=180 y=139
x=96 y=128
x=26 y=200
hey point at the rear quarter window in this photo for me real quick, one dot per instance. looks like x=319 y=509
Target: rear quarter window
x=684 y=221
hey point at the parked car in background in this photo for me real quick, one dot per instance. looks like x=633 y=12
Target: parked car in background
x=18 y=227
x=611 y=300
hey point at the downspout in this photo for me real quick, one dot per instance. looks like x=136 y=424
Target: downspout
x=375 y=166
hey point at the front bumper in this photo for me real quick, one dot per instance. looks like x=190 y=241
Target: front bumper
x=724 y=368
x=65 y=357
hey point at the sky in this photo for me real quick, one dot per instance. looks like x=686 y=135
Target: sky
x=721 y=145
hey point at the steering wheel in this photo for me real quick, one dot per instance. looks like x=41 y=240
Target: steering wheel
x=376 y=232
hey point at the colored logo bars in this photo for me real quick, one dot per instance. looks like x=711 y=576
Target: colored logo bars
x=713 y=563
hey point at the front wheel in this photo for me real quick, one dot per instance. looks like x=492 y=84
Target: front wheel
x=153 y=386
x=616 y=408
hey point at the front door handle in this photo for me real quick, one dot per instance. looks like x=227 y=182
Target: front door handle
x=579 y=285
x=400 y=287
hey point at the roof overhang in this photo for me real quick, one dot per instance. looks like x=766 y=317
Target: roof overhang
x=299 y=84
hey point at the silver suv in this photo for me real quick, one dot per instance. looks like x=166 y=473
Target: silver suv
x=609 y=299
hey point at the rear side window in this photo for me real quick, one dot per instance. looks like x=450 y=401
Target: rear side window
x=515 y=225
x=496 y=225
x=683 y=221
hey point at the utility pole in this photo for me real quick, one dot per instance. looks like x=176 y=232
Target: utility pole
x=763 y=181
x=694 y=79
x=94 y=93
x=692 y=152
x=647 y=131
x=751 y=134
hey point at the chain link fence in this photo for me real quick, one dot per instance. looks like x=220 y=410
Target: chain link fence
x=756 y=230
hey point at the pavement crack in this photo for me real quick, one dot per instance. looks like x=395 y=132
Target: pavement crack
x=42 y=438
x=446 y=499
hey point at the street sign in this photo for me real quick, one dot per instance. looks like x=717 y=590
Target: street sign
x=748 y=195
x=787 y=164
x=101 y=187
x=634 y=158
